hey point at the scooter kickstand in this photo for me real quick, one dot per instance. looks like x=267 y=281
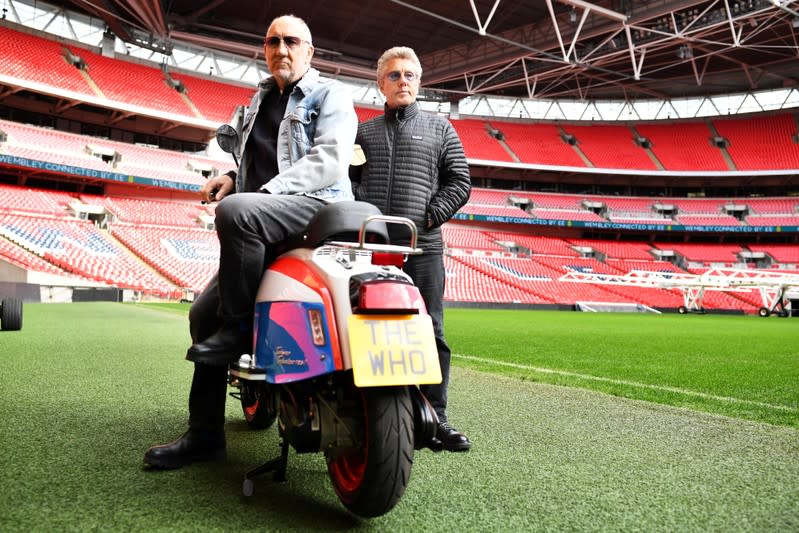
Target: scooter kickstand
x=276 y=465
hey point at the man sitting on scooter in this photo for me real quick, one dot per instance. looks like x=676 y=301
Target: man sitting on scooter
x=296 y=144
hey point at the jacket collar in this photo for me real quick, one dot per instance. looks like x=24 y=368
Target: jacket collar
x=401 y=113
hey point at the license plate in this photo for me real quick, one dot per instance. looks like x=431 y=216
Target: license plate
x=393 y=350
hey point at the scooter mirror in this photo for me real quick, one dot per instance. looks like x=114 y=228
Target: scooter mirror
x=227 y=138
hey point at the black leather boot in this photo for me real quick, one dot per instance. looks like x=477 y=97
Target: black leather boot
x=229 y=342
x=205 y=439
x=451 y=439
x=193 y=446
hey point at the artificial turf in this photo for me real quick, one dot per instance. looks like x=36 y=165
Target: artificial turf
x=86 y=388
x=736 y=365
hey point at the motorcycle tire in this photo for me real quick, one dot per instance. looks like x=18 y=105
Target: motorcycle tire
x=258 y=404
x=11 y=314
x=370 y=481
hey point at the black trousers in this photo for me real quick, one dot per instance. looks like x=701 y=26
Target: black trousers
x=428 y=274
x=250 y=227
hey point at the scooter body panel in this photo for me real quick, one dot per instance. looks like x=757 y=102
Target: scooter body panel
x=285 y=349
x=310 y=276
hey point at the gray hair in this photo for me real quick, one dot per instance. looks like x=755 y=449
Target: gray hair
x=398 y=52
x=308 y=37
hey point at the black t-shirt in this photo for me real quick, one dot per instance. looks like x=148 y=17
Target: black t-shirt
x=262 y=141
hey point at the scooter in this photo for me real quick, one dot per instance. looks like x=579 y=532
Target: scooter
x=341 y=342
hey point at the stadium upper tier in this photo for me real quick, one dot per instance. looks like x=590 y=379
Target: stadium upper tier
x=747 y=144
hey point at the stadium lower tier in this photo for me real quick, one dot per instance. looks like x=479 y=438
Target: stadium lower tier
x=482 y=266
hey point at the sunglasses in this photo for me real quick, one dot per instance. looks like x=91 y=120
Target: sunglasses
x=291 y=42
x=395 y=75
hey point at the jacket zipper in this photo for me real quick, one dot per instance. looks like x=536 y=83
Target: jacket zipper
x=392 y=144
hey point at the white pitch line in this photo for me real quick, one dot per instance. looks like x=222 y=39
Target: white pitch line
x=629 y=383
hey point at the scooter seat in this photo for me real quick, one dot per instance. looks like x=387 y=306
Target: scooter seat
x=342 y=221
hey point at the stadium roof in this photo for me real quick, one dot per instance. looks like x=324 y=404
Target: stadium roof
x=607 y=49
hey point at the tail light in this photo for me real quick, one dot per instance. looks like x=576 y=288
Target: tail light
x=393 y=294
x=388 y=259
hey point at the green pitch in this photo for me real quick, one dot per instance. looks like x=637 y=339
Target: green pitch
x=699 y=431
x=741 y=366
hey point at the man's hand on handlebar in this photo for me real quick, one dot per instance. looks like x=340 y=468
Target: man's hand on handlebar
x=216 y=188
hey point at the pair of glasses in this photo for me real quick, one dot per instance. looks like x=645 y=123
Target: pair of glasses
x=395 y=75
x=291 y=42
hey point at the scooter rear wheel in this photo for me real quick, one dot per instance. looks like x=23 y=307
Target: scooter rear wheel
x=371 y=480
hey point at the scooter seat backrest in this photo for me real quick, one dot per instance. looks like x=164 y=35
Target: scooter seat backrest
x=341 y=221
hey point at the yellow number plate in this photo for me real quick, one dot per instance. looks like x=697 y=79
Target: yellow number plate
x=393 y=350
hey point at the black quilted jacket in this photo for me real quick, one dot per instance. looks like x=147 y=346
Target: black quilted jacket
x=415 y=168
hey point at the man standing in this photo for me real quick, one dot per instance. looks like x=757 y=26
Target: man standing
x=296 y=145
x=415 y=168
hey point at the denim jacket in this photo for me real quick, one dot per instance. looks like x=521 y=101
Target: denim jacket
x=315 y=139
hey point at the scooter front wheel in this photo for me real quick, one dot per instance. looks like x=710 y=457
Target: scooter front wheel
x=371 y=480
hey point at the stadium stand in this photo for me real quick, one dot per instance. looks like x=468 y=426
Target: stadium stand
x=79 y=247
x=780 y=206
x=477 y=142
x=553 y=201
x=24 y=200
x=39 y=60
x=158 y=212
x=535 y=243
x=540 y=275
x=760 y=143
x=110 y=156
x=727 y=254
x=565 y=214
x=629 y=204
x=627 y=265
x=22 y=258
x=141 y=85
x=639 y=218
x=538 y=144
x=702 y=206
x=187 y=257
x=50 y=146
x=164 y=235
x=683 y=146
x=467 y=238
x=215 y=100
x=158 y=246
x=366 y=113
x=766 y=220
x=467 y=284
x=708 y=220
x=489 y=197
x=610 y=146
x=781 y=253
x=616 y=249
x=494 y=210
